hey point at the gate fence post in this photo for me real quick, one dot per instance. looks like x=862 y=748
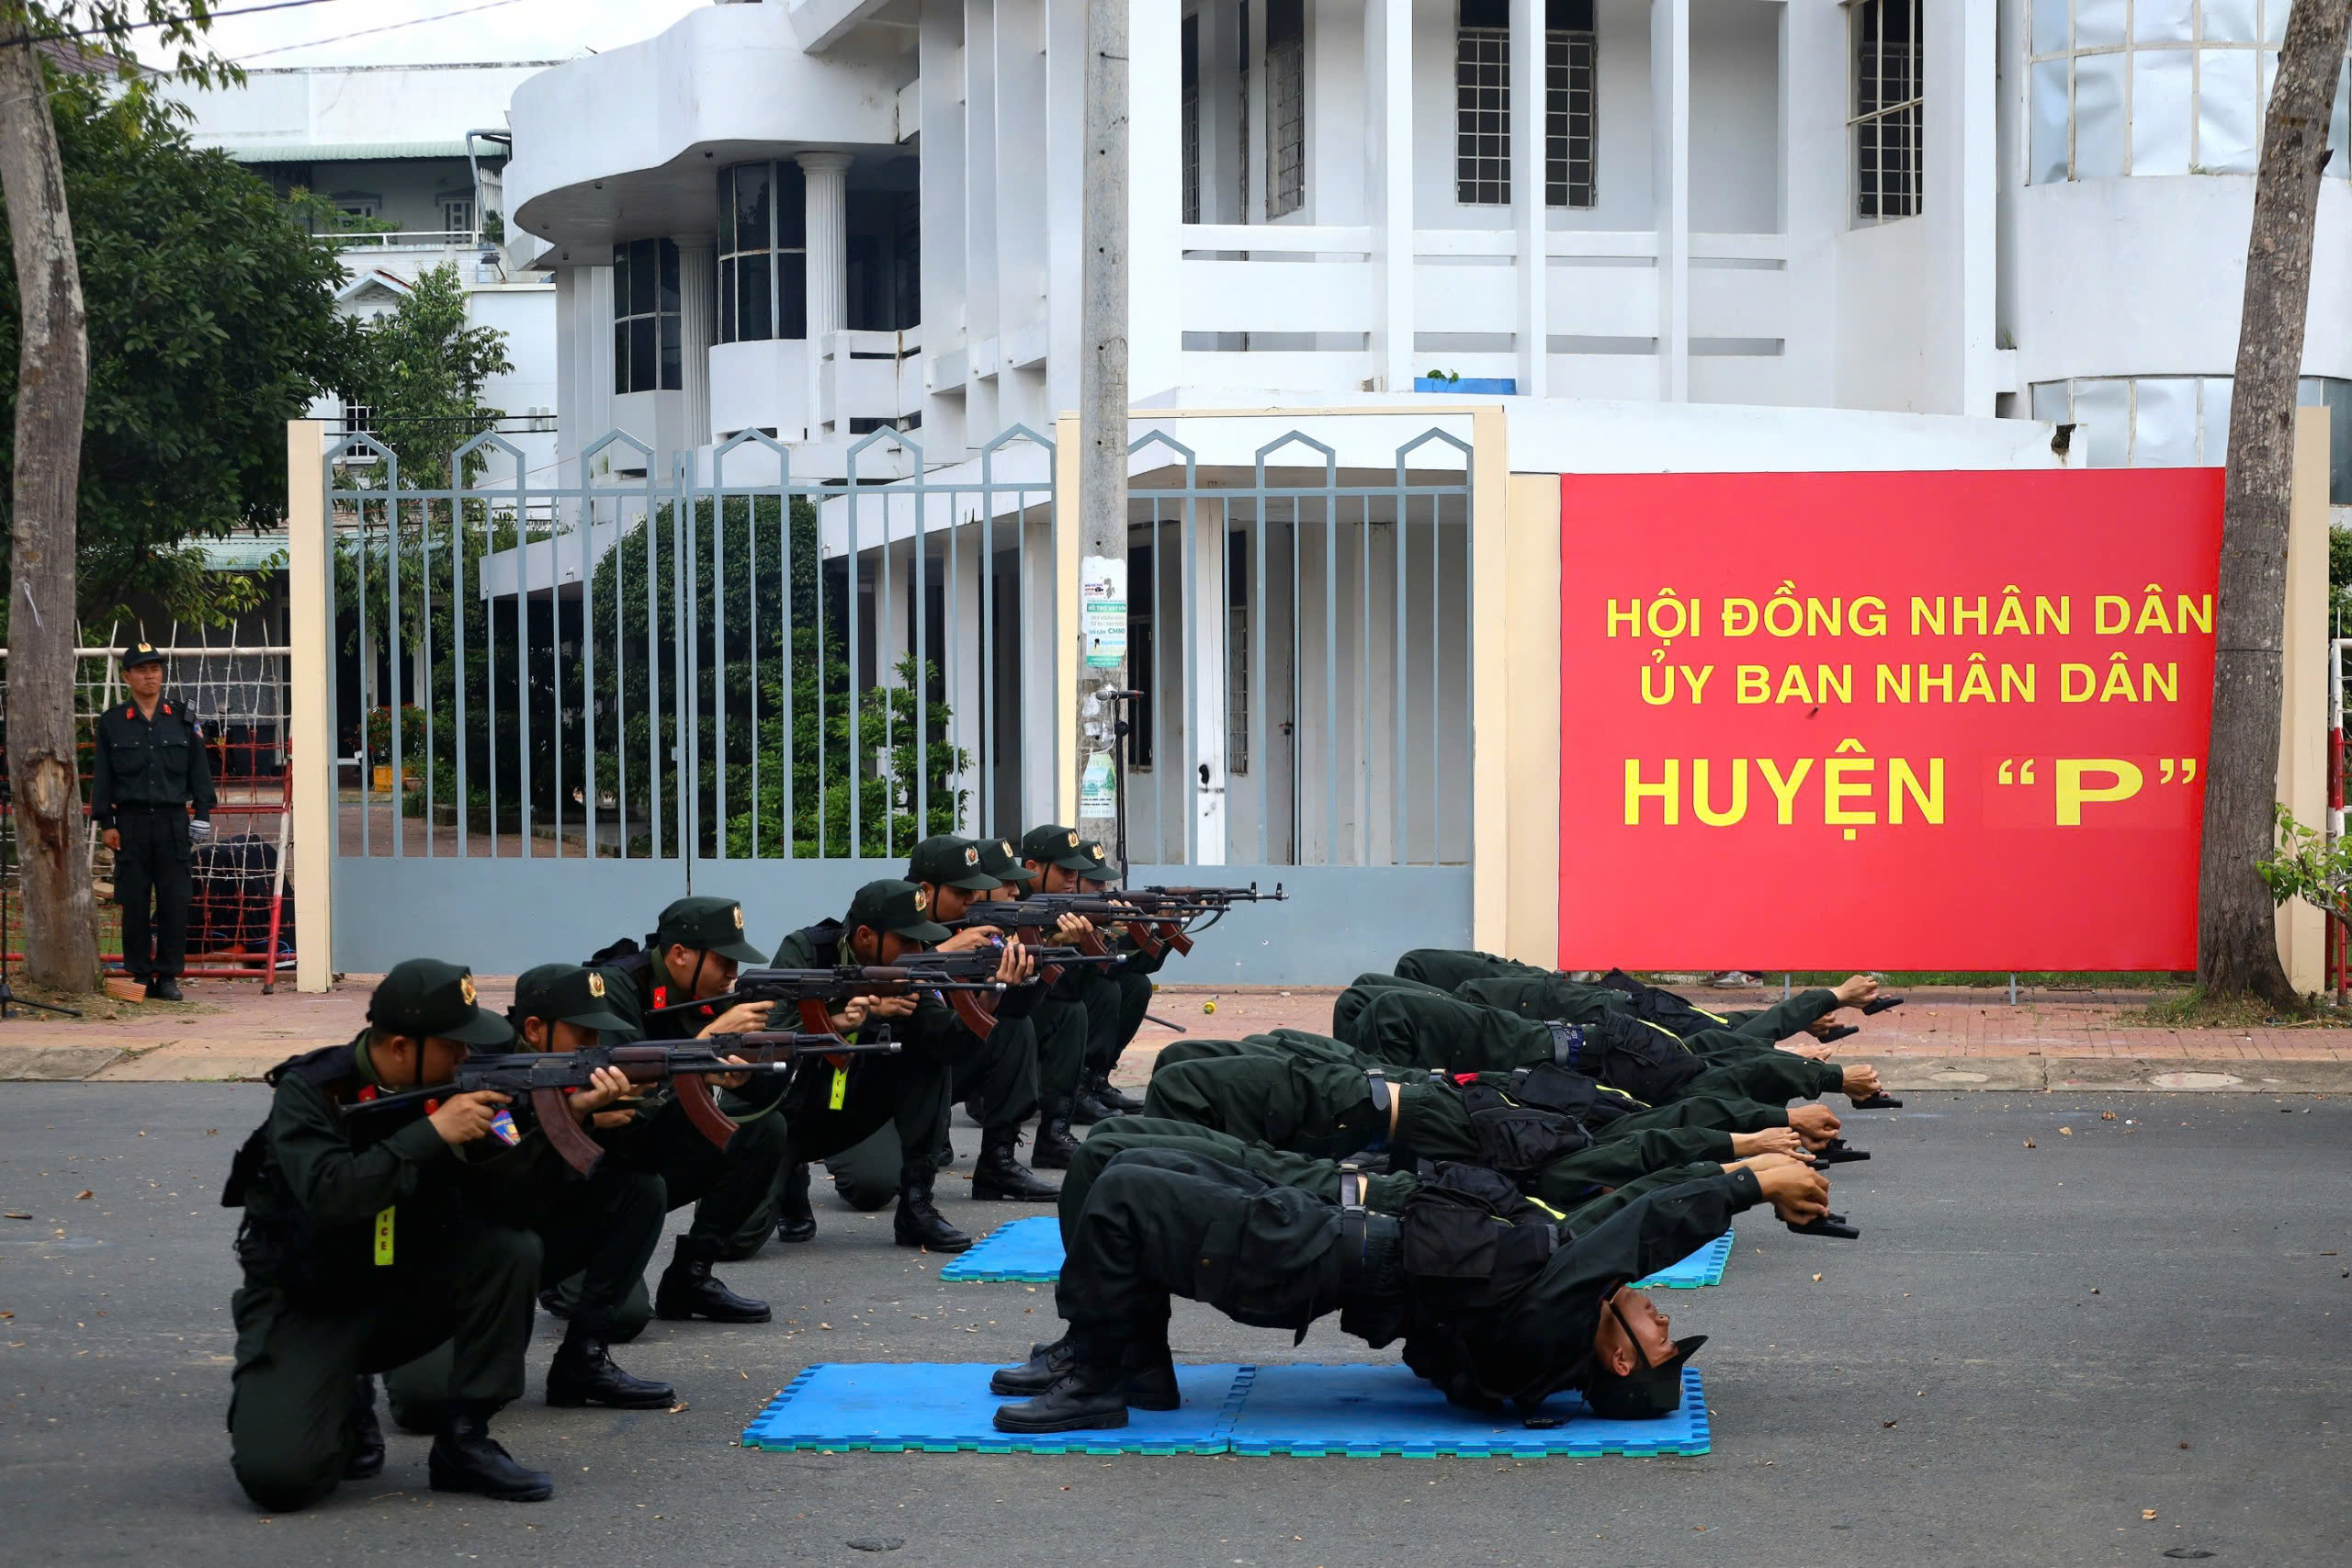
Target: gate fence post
x=310 y=578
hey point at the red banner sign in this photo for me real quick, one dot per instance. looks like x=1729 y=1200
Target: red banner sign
x=1894 y=721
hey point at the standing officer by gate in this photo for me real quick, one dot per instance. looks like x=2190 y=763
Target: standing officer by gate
x=151 y=766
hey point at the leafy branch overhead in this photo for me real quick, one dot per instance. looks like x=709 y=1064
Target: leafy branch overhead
x=211 y=321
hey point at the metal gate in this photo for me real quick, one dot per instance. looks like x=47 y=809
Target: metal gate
x=558 y=706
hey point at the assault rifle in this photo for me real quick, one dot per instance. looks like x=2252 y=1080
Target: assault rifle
x=963 y=979
x=1156 y=919
x=542 y=1080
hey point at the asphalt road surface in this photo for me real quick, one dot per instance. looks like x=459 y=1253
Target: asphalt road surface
x=2030 y=1349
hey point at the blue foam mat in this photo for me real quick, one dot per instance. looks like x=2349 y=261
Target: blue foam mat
x=940 y=1407
x=1705 y=1267
x=1030 y=1252
x=1371 y=1412
x=1026 y=1251
x=1303 y=1410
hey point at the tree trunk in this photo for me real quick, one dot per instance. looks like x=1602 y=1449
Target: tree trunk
x=53 y=379
x=2237 y=945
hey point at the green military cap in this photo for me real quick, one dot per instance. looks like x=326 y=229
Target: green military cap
x=999 y=860
x=896 y=908
x=1055 y=845
x=565 y=993
x=946 y=861
x=427 y=999
x=1645 y=1394
x=710 y=925
x=140 y=653
x=1100 y=868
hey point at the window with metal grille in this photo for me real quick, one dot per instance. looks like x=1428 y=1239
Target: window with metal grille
x=1569 y=103
x=645 y=317
x=762 y=253
x=456 y=214
x=1888 y=107
x=1482 y=104
x=1285 y=106
x=1189 y=79
x=1241 y=150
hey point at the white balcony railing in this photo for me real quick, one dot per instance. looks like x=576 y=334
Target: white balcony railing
x=870 y=376
x=408 y=240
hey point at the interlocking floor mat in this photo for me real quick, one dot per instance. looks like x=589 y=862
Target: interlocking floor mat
x=1298 y=1410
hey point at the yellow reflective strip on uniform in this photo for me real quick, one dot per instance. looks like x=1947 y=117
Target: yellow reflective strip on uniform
x=841 y=1089
x=1702 y=1012
x=384 y=1237
x=1555 y=1214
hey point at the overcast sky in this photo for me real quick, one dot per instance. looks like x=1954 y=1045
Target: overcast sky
x=515 y=30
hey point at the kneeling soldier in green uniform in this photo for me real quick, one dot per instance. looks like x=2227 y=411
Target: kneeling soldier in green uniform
x=691 y=961
x=1062 y=864
x=913 y=1089
x=360 y=1252
x=1494 y=1303
x=602 y=1228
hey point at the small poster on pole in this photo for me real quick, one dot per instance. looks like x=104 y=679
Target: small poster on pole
x=1103 y=611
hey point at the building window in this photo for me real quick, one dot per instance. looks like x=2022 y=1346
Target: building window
x=1482 y=104
x=762 y=253
x=2157 y=88
x=645 y=317
x=358 y=204
x=2168 y=421
x=358 y=418
x=1569 y=46
x=1285 y=106
x=1241 y=158
x=1888 y=103
x=456 y=214
x=1190 y=116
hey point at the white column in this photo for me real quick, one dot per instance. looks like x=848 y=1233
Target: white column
x=1527 y=169
x=1670 y=183
x=1961 y=189
x=1155 y=198
x=828 y=267
x=1388 y=151
x=698 y=328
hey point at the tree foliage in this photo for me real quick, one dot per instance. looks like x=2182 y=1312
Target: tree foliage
x=420 y=369
x=774 y=749
x=211 y=321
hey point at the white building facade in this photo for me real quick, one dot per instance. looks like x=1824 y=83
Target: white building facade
x=820 y=218
x=417 y=154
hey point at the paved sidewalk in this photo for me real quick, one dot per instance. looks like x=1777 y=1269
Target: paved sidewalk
x=1945 y=1039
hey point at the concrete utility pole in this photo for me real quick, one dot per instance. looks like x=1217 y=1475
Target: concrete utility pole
x=1103 y=423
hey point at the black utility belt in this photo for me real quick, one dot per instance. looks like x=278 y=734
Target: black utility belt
x=1369 y=1250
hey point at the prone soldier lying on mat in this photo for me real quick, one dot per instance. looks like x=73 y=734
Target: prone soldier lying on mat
x=1494 y=1303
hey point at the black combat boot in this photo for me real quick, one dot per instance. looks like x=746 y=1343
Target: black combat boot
x=465 y=1458
x=1087 y=1395
x=164 y=988
x=1046 y=1365
x=1117 y=1098
x=688 y=1290
x=1146 y=1373
x=1055 y=1144
x=919 y=1221
x=584 y=1374
x=998 y=1173
x=1089 y=1106
x=363 y=1439
x=795 y=1221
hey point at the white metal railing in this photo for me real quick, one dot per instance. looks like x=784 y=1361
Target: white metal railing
x=408 y=240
